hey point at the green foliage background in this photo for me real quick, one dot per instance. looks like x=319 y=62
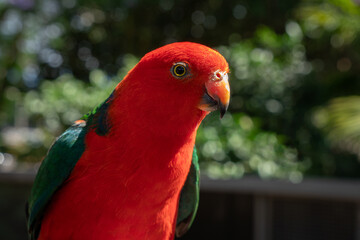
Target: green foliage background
x=294 y=76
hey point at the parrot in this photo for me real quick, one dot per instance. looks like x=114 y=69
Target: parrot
x=129 y=169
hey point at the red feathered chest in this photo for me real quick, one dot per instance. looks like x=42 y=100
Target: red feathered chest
x=126 y=189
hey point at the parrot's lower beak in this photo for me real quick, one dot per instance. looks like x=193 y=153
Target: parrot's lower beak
x=217 y=93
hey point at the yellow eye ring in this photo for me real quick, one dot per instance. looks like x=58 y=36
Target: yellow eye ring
x=179 y=70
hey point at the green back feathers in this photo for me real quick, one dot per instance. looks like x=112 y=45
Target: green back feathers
x=189 y=198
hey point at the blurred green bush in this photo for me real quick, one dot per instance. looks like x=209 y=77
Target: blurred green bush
x=289 y=59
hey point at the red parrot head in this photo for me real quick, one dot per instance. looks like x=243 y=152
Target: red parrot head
x=177 y=84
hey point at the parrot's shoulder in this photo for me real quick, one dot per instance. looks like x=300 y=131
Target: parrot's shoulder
x=98 y=118
x=189 y=198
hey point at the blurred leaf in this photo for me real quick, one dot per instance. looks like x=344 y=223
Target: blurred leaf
x=340 y=119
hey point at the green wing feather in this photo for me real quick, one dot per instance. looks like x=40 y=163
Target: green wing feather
x=60 y=161
x=54 y=170
x=189 y=198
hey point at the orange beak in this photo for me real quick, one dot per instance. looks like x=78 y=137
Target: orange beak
x=217 y=93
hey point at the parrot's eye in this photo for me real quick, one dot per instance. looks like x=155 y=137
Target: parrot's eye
x=179 y=70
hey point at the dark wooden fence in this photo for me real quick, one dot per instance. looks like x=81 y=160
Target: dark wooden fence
x=247 y=209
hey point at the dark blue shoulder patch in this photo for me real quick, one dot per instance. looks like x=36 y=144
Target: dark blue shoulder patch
x=98 y=118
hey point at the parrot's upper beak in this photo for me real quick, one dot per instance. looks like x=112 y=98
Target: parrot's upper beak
x=217 y=93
